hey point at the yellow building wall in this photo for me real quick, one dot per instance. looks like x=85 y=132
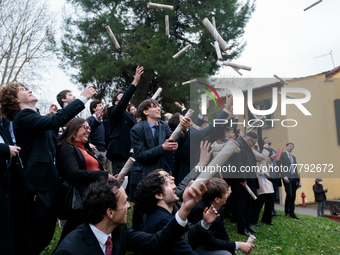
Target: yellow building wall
x=314 y=137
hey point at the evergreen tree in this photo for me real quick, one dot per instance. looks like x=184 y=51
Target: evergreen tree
x=140 y=32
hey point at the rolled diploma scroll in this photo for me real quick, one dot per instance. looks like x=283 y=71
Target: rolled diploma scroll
x=113 y=38
x=282 y=80
x=159 y=90
x=255 y=122
x=278 y=154
x=251 y=239
x=215 y=34
x=179 y=126
x=187 y=82
x=213 y=21
x=126 y=168
x=219 y=160
x=160 y=6
x=312 y=5
x=237 y=70
x=250 y=192
x=182 y=51
x=167 y=25
x=227 y=63
x=218 y=50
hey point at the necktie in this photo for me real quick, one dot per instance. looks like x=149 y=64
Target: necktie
x=109 y=246
x=156 y=134
x=291 y=162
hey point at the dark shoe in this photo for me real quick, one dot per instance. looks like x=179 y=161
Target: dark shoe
x=257 y=225
x=252 y=230
x=274 y=213
x=244 y=232
x=294 y=217
x=287 y=216
x=269 y=223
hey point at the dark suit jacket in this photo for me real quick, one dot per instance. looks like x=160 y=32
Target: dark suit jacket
x=148 y=156
x=120 y=124
x=284 y=162
x=82 y=241
x=189 y=154
x=15 y=232
x=156 y=222
x=218 y=238
x=72 y=167
x=34 y=134
x=244 y=159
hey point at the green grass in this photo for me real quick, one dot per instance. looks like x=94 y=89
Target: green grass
x=310 y=235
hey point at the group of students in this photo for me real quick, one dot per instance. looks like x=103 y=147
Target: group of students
x=49 y=157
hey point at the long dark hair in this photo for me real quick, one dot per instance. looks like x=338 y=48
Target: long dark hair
x=72 y=128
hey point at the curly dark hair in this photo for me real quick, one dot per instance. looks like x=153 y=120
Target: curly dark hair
x=145 y=105
x=147 y=189
x=8 y=94
x=115 y=97
x=100 y=196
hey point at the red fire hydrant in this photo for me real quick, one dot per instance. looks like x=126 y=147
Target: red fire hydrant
x=303 y=199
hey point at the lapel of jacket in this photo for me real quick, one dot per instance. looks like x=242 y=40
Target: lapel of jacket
x=162 y=132
x=80 y=157
x=4 y=135
x=148 y=135
x=91 y=240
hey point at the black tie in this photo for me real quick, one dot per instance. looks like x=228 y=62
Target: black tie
x=156 y=134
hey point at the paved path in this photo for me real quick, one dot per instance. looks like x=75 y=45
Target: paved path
x=309 y=209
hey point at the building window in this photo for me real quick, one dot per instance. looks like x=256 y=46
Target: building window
x=263 y=105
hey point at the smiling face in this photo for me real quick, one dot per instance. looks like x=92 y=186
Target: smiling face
x=133 y=110
x=220 y=201
x=25 y=96
x=120 y=214
x=83 y=133
x=169 y=196
x=153 y=113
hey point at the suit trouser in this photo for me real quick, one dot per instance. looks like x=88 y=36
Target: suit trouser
x=265 y=199
x=290 y=189
x=42 y=217
x=321 y=208
x=275 y=186
x=117 y=164
x=243 y=206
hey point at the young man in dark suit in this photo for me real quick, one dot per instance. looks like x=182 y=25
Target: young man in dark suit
x=121 y=122
x=15 y=236
x=34 y=134
x=243 y=161
x=150 y=141
x=218 y=240
x=105 y=231
x=291 y=179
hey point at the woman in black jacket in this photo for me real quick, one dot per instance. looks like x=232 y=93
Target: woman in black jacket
x=78 y=165
x=320 y=196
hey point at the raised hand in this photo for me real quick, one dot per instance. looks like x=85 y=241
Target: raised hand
x=210 y=214
x=139 y=72
x=88 y=92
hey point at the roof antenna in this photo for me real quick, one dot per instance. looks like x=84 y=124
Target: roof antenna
x=330 y=53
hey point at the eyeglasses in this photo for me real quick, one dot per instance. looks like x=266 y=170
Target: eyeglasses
x=86 y=127
x=168 y=175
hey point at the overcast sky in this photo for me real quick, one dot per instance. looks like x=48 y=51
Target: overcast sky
x=281 y=39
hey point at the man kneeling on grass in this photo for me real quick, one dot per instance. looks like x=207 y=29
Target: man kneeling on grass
x=218 y=242
x=105 y=215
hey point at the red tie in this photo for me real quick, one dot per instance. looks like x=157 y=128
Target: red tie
x=109 y=246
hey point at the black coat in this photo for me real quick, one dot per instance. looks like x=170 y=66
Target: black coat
x=72 y=167
x=319 y=193
x=82 y=241
x=34 y=134
x=14 y=230
x=121 y=122
x=218 y=238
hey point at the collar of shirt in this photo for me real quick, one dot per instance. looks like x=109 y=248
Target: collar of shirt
x=152 y=129
x=95 y=117
x=101 y=237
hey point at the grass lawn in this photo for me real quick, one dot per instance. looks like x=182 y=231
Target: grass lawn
x=310 y=235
